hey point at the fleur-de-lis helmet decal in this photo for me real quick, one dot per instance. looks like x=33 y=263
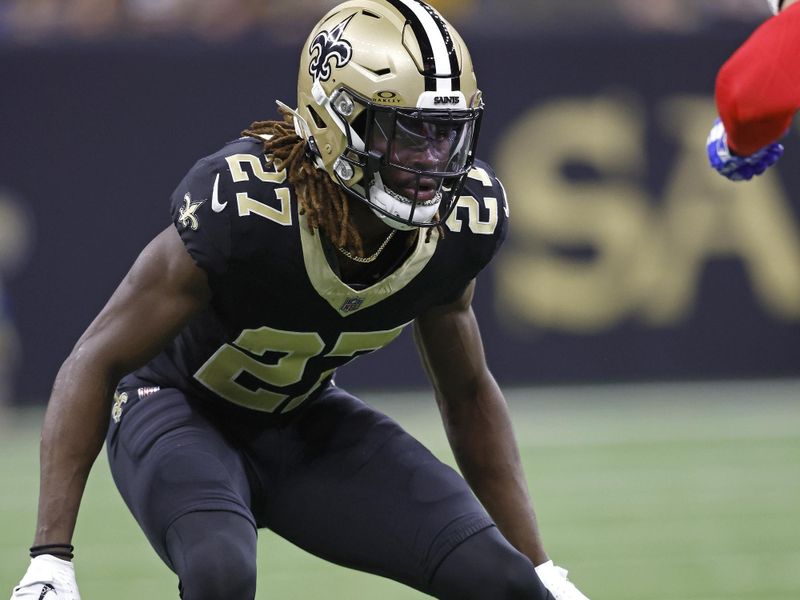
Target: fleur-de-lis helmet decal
x=329 y=46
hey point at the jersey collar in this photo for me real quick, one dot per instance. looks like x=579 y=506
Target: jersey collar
x=345 y=300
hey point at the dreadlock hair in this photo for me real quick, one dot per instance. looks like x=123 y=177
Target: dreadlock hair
x=325 y=205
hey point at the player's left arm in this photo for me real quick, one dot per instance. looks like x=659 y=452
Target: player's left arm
x=478 y=426
x=476 y=419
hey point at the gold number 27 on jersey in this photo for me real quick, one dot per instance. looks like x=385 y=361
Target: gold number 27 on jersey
x=250 y=206
x=221 y=371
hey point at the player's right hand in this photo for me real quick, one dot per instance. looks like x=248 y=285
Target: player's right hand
x=47 y=578
x=738 y=168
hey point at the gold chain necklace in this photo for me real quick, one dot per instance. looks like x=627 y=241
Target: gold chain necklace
x=373 y=256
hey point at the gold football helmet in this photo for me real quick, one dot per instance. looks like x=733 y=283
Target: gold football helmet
x=388 y=102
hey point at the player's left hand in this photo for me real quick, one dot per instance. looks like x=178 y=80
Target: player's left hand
x=555 y=580
x=738 y=168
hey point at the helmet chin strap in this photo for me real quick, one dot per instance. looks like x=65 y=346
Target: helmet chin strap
x=399 y=206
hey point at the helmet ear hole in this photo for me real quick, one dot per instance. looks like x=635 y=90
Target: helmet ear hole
x=359 y=124
x=318 y=121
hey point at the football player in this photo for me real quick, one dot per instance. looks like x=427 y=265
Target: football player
x=294 y=249
x=757 y=96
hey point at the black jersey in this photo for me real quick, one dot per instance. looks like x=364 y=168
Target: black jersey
x=280 y=320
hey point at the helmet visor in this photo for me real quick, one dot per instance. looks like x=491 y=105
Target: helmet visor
x=434 y=144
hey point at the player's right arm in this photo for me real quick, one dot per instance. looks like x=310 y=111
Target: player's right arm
x=162 y=291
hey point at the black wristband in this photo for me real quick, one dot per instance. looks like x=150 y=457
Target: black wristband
x=59 y=550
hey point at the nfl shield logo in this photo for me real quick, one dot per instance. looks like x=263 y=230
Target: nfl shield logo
x=351 y=304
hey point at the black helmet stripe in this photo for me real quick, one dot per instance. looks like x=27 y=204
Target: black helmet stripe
x=438 y=51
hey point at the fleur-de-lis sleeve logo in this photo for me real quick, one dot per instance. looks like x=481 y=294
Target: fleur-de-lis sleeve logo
x=187 y=216
x=120 y=398
x=329 y=46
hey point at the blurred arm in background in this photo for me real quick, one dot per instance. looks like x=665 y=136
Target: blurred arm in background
x=757 y=94
x=758 y=88
x=14 y=249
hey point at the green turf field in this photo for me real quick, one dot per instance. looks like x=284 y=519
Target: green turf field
x=677 y=492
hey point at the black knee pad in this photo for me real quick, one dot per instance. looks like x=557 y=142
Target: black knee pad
x=214 y=555
x=487 y=566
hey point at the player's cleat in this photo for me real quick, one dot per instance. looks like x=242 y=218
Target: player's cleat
x=554 y=578
x=738 y=168
x=47 y=578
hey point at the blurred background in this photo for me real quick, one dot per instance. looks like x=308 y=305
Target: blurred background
x=644 y=312
x=627 y=258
